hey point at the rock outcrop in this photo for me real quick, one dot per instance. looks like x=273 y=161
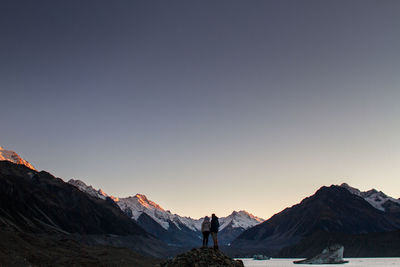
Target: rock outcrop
x=331 y=255
x=202 y=257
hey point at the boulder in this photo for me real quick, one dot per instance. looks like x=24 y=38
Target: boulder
x=202 y=257
x=330 y=255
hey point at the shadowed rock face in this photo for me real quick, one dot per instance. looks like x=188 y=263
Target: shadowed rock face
x=330 y=210
x=38 y=202
x=26 y=249
x=180 y=237
x=43 y=205
x=202 y=257
x=361 y=245
x=330 y=255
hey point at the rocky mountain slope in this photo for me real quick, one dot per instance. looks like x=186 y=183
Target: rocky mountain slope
x=174 y=229
x=39 y=203
x=377 y=244
x=12 y=156
x=377 y=199
x=28 y=249
x=331 y=211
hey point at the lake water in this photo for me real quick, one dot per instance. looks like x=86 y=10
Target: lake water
x=354 y=262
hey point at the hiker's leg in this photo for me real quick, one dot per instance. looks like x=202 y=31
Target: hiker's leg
x=214 y=237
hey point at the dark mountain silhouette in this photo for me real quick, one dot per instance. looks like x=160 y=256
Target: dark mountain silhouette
x=38 y=203
x=176 y=230
x=27 y=249
x=183 y=236
x=331 y=211
x=378 y=244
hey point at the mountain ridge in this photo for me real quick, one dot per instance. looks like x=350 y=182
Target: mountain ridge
x=12 y=156
x=333 y=210
x=376 y=198
x=146 y=205
x=182 y=230
x=39 y=204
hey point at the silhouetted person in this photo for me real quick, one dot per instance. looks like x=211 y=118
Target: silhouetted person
x=214 y=229
x=205 y=229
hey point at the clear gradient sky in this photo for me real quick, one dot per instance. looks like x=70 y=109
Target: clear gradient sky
x=205 y=106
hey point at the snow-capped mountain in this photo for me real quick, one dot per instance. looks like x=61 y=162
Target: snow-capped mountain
x=333 y=214
x=149 y=214
x=138 y=204
x=240 y=219
x=377 y=199
x=14 y=157
x=235 y=224
x=88 y=189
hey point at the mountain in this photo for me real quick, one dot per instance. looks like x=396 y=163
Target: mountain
x=39 y=204
x=90 y=190
x=174 y=229
x=29 y=249
x=10 y=155
x=234 y=224
x=377 y=199
x=331 y=211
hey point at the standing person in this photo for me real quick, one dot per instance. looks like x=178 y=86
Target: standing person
x=214 y=229
x=205 y=229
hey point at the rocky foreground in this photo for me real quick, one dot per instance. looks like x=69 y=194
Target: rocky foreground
x=202 y=257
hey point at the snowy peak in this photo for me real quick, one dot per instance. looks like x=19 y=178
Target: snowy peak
x=377 y=199
x=12 y=156
x=352 y=190
x=90 y=190
x=240 y=219
x=136 y=205
x=139 y=204
x=142 y=199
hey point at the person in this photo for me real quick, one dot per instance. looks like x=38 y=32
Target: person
x=214 y=229
x=205 y=229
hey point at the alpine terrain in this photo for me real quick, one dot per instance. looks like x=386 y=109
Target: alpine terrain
x=45 y=220
x=174 y=229
x=332 y=214
x=12 y=156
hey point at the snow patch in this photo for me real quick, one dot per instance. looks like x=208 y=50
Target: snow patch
x=376 y=198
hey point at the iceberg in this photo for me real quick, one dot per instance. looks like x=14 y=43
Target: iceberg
x=330 y=255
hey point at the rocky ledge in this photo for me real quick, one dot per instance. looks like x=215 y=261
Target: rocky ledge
x=202 y=257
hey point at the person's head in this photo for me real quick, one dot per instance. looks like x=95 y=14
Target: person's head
x=206 y=219
x=213 y=215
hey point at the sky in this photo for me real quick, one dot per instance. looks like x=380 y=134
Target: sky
x=205 y=106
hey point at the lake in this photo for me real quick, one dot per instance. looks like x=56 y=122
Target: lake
x=354 y=262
